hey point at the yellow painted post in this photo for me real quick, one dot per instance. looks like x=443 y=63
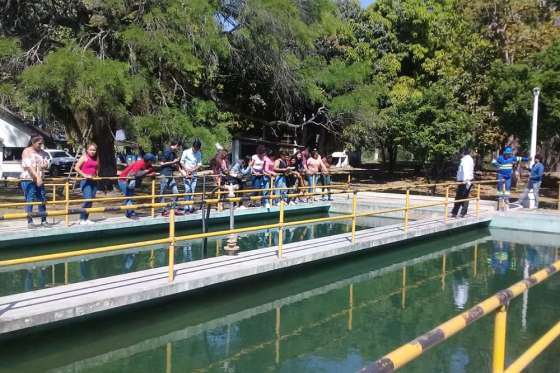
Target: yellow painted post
x=350 y=305
x=278 y=336
x=54 y=193
x=406 y=208
x=168 y=358
x=443 y=271
x=66 y=203
x=271 y=190
x=477 y=200
x=152 y=259
x=403 y=296
x=53 y=275
x=153 y=196
x=475 y=259
x=281 y=230
x=498 y=359
x=313 y=186
x=220 y=206
x=171 y=243
x=446 y=209
x=354 y=208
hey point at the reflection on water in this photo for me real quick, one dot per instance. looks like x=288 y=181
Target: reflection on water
x=33 y=277
x=336 y=317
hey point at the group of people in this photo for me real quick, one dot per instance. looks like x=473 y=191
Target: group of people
x=289 y=176
x=504 y=165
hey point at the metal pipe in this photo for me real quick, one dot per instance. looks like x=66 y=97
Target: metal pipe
x=171 y=244
x=446 y=206
x=354 y=208
x=153 y=197
x=406 y=207
x=281 y=229
x=66 y=203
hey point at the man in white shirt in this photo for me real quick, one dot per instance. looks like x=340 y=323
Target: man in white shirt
x=191 y=160
x=465 y=175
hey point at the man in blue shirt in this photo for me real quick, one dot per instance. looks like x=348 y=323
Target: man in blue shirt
x=535 y=180
x=169 y=165
x=504 y=163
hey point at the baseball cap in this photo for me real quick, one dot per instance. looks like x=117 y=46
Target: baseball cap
x=149 y=157
x=508 y=150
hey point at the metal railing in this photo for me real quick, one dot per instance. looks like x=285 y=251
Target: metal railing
x=499 y=304
x=172 y=238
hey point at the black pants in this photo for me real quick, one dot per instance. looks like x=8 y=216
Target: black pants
x=462 y=193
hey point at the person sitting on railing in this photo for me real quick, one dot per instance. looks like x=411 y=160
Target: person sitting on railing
x=505 y=163
x=258 y=179
x=191 y=160
x=131 y=178
x=534 y=184
x=465 y=176
x=34 y=160
x=88 y=168
x=281 y=169
x=167 y=181
x=325 y=178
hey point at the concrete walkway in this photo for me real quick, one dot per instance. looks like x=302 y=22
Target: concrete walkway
x=62 y=303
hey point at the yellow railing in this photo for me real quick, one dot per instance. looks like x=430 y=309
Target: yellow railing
x=172 y=237
x=499 y=304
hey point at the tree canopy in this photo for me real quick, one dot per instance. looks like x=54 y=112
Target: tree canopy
x=425 y=77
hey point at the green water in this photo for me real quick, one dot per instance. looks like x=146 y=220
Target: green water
x=59 y=272
x=333 y=317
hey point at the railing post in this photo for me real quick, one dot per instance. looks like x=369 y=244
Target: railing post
x=406 y=208
x=354 y=208
x=446 y=209
x=171 y=243
x=153 y=197
x=281 y=230
x=498 y=359
x=66 y=203
x=558 y=195
x=54 y=193
x=477 y=200
x=271 y=190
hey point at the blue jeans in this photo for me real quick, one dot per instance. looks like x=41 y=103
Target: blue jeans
x=504 y=180
x=34 y=193
x=326 y=180
x=127 y=190
x=190 y=187
x=168 y=183
x=281 y=183
x=261 y=182
x=312 y=182
x=89 y=189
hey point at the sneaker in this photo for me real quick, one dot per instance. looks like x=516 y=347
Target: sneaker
x=83 y=222
x=267 y=205
x=31 y=226
x=89 y=222
x=242 y=207
x=133 y=217
x=165 y=213
x=44 y=224
x=178 y=213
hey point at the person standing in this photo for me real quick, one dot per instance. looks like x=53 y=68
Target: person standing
x=535 y=181
x=131 y=178
x=191 y=160
x=326 y=177
x=465 y=176
x=258 y=178
x=281 y=170
x=88 y=168
x=505 y=163
x=167 y=181
x=34 y=160
x=314 y=166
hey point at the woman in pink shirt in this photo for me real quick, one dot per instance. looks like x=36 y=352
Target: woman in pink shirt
x=88 y=168
x=314 y=167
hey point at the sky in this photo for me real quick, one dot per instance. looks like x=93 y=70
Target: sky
x=366 y=2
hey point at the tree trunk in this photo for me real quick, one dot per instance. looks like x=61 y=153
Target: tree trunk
x=104 y=139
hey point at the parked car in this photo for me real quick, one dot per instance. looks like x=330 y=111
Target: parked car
x=60 y=162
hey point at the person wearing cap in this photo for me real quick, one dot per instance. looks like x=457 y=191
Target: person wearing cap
x=191 y=160
x=534 y=184
x=131 y=177
x=504 y=163
x=167 y=167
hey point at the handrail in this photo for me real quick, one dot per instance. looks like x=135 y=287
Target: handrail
x=499 y=303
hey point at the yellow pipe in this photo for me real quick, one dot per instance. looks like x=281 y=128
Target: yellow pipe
x=406 y=208
x=403 y=297
x=499 y=355
x=443 y=267
x=354 y=208
x=350 y=305
x=281 y=230
x=277 y=334
x=54 y=194
x=171 y=244
x=69 y=254
x=168 y=358
x=66 y=203
x=528 y=356
x=153 y=197
x=446 y=206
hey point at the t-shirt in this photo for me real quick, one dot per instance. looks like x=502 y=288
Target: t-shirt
x=258 y=164
x=134 y=168
x=168 y=156
x=191 y=159
x=35 y=160
x=313 y=165
x=268 y=165
x=465 y=172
